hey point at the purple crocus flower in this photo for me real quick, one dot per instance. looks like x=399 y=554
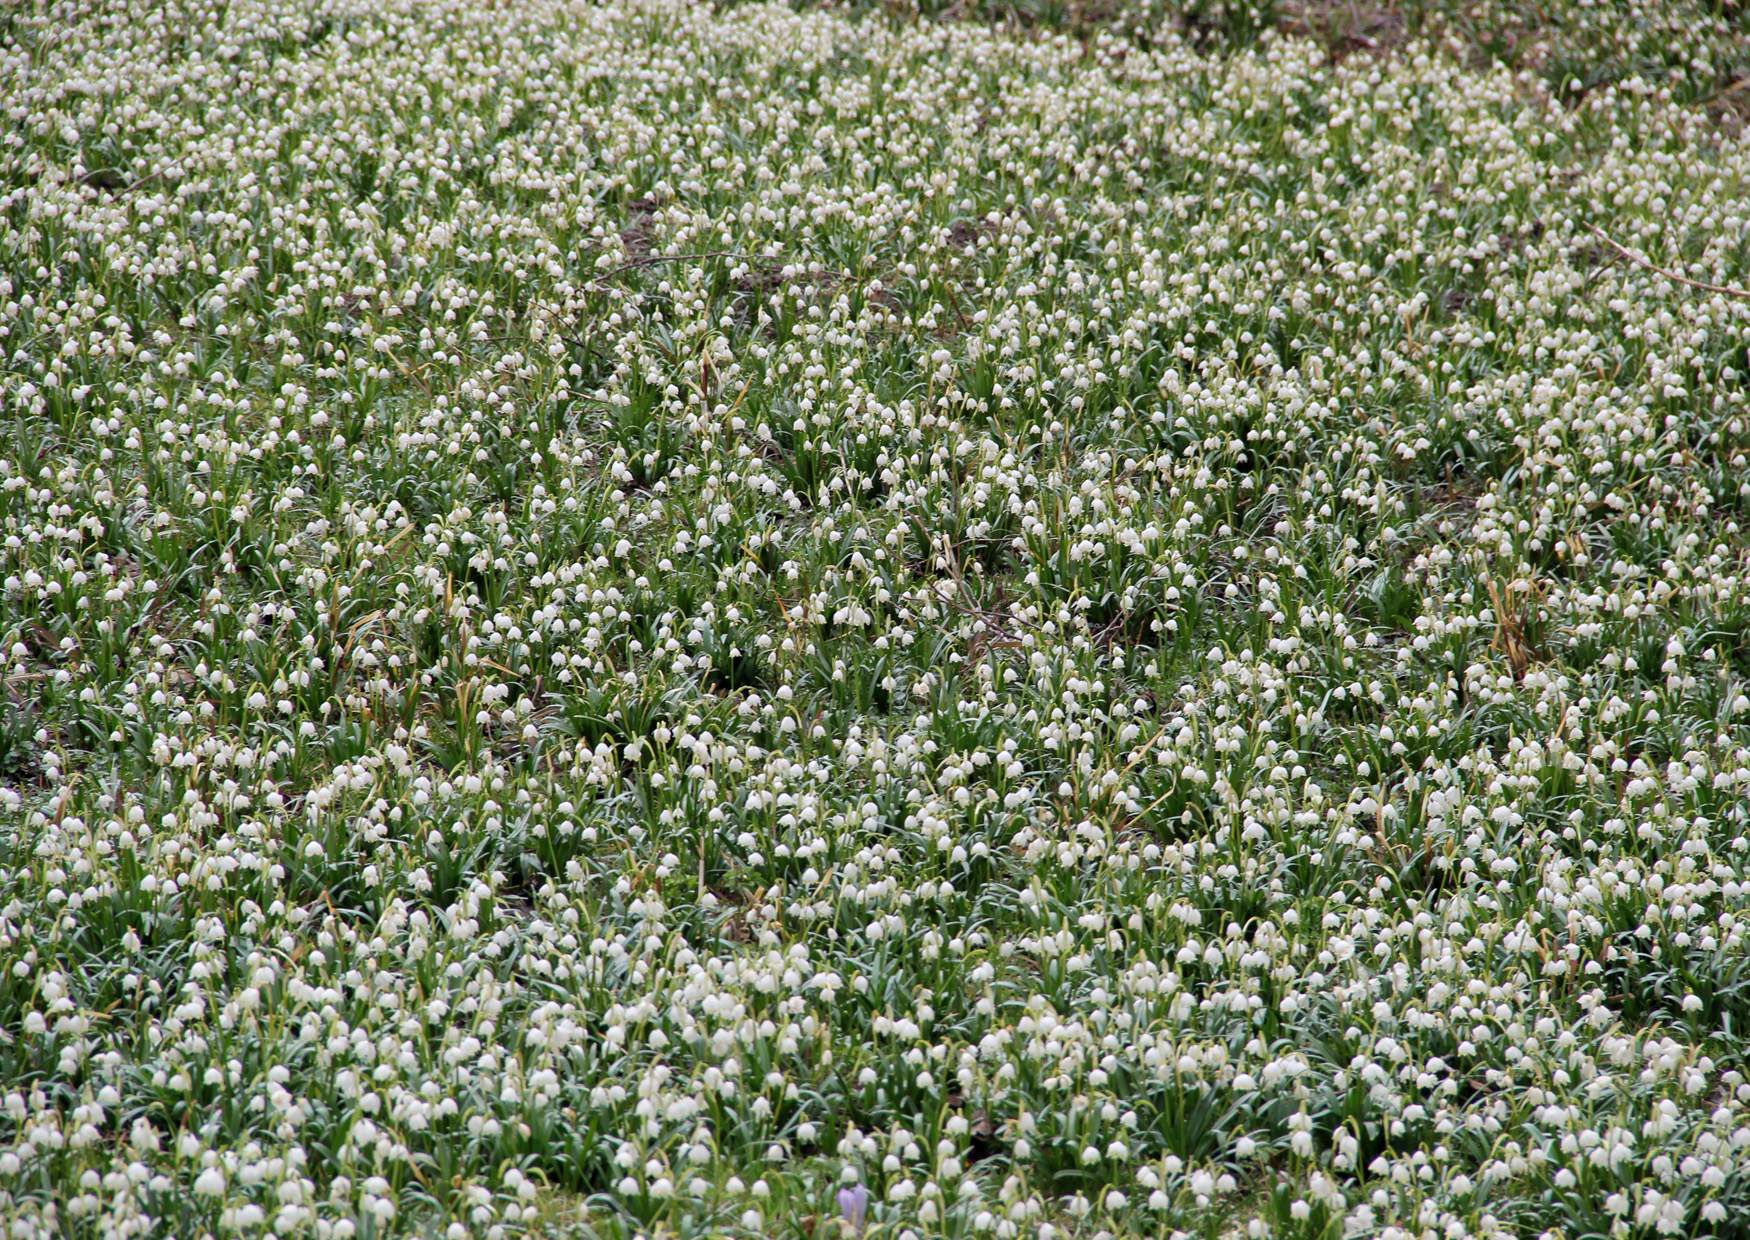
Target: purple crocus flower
x=854 y=1206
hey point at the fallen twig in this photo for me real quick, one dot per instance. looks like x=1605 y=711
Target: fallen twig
x=651 y=260
x=102 y=177
x=1641 y=261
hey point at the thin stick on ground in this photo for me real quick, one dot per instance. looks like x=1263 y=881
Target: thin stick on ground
x=652 y=260
x=1642 y=261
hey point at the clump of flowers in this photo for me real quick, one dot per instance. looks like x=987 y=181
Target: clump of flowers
x=653 y=619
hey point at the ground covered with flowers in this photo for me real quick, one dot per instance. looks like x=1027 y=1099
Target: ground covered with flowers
x=646 y=619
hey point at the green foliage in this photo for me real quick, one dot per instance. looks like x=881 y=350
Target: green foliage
x=1101 y=620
